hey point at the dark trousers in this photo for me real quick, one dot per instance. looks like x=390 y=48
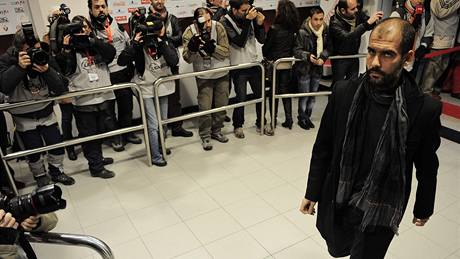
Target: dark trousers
x=4 y=182
x=92 y=123
x=283 y=86
x=66 y=122
x=174 y=105
x=344 y=69
x=34 y=139
x=240 y=79
x=369 y=244
x=124 y=98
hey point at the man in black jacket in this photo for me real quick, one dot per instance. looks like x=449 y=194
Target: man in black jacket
x=373 y=131
x=345 y=29
x=174 y=34
x=23 y=77
x=113 y=33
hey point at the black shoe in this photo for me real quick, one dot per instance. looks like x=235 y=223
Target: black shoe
x=107 y=161
x=160 y=163
x=303 y=125
x=181 y=132
x=133 y=139
x=104 y=174
x=227 y=119
x=168 y=151
x=287 y=124
x=43 y=180
x=71 y=154
x=310 y=124
x=62 y=178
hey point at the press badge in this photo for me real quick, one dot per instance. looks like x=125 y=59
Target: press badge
x=93 y=77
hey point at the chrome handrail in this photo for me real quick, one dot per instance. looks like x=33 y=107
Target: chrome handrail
x=66 y=143
x=161 y=80
x=71 y=240
x=296 y=95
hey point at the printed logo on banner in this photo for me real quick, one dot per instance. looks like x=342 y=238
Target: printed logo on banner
x=121 y=19
x=19 y=2
x=118 y=3
x=4 y=28
x=4 y=19
x=145 y=1
x=19 y=9
x=4 y=12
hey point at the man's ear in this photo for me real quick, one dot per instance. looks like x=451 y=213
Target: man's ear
x=342 y=10
x=409 y=57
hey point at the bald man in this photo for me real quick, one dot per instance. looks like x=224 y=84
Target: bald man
x=374 y=129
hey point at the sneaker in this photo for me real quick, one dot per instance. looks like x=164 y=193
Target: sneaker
x=104 y=174
x=238 y=132
x=71 y=154
x=181 y=132
x=133 y=139
x=206 y=143
x=219 y=137
x=117 y=147
x=107 y=161
x=267 y=130
x=43 y=180
x=62 y=178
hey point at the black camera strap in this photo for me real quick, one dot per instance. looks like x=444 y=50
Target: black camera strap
x=25 y=245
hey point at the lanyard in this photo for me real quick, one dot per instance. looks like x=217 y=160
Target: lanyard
x=90 y=58
x=108 y=31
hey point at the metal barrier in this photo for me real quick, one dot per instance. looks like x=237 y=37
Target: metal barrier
x=72 y=142
x=201 y=113
x=72 y=240
x=296 y=95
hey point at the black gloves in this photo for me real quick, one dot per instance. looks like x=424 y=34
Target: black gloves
x=420 y=52
x=210 y=47
x=194 y=44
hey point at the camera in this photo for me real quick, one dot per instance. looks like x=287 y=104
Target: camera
x=58 y=28
x=37 y=55
x=151 y=30
x=137 y=17
x=70 y=28
x=41 y=201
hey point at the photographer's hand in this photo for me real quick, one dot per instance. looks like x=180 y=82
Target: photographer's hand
x=260 y=18
x=40 y=69
x=252 y=14
x=30 y=223
x=210 y=47
x=138 y=38
x=7 y=220
x=194 y=44
x=24 y=60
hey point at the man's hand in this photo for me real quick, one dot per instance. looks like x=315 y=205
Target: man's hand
x=7 y=220
x=24 y=60
x=260 y=18
x=138 y=38
x=252 y=14
x=420 y=222
x=30 y=223
x=40 y=69
x=319 y=62
x=66 y=40
x=375 y=17
x=308 y=207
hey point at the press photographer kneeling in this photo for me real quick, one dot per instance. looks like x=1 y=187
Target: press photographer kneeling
x=33 y=212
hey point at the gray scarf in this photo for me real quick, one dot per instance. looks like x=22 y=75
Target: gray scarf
x=382 y=197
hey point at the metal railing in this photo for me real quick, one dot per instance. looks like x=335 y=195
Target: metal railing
x=71 y=240
x=158 y=82
x=72 y=142
x=296 y=95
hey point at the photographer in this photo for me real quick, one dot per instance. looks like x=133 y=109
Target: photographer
x=13 y=244
x=28 y=73
x=84 y=61
x=153 y=56
x=218 y=8
x=174 y=35
x=206 y=46
x=113 y=33
x=244 y=24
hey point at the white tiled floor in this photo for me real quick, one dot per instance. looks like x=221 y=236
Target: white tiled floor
x=238 y=201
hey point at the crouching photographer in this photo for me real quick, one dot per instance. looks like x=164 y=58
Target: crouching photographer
x=28 y=73
x=153 y=56
x=84 y=60
x=206 y=46
x=33 y=212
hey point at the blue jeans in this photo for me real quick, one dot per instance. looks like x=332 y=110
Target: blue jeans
x=152 y=124
x=307 y=84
